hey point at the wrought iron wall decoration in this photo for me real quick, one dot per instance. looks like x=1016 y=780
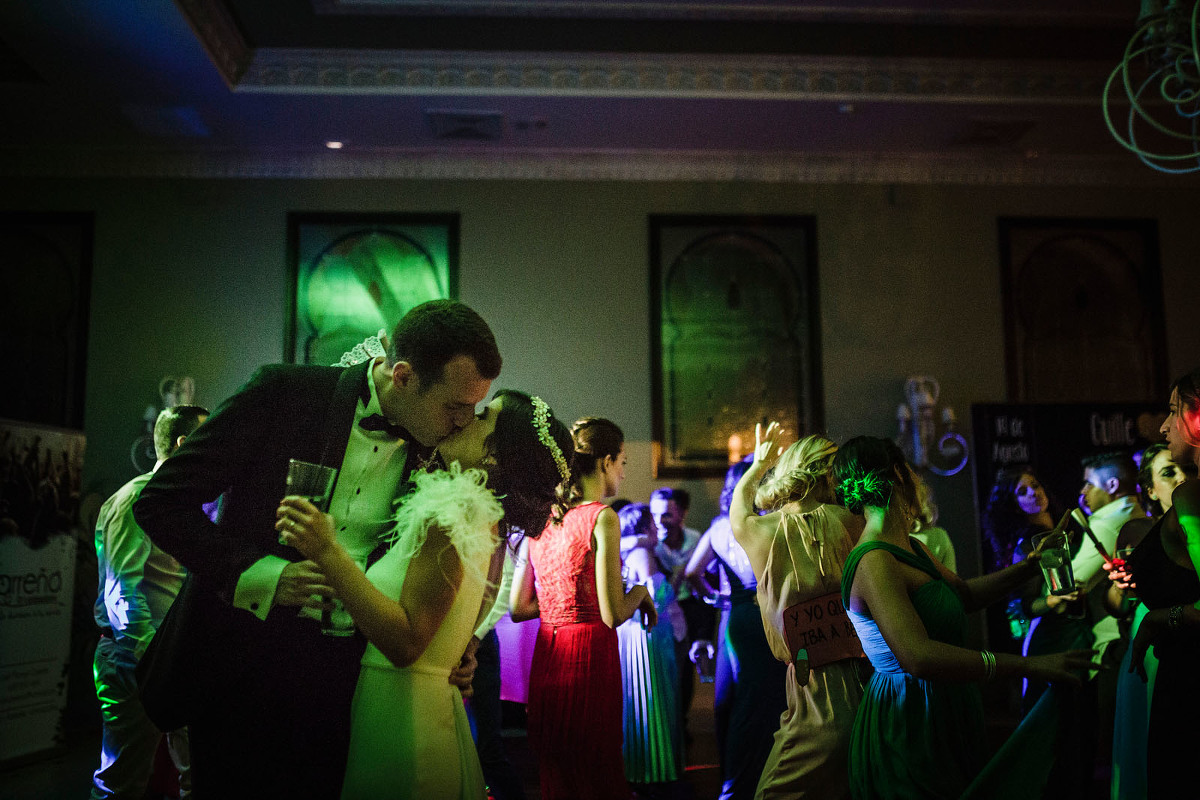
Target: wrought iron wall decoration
x=735 y=331
x=928 y=444
x=352 y=274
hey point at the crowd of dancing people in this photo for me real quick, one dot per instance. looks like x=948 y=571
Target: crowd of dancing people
x=840 y=644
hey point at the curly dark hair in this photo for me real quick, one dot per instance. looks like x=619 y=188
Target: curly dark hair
x=594 y=438
x=1004 y=523
x=865 y=473
x=526 y=475
x=1002 y=517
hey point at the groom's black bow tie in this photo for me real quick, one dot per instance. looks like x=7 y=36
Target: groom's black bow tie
x=378 y=422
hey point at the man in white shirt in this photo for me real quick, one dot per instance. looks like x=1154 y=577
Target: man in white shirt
x=265 y=695
x=1109 y=496
x=138 y=583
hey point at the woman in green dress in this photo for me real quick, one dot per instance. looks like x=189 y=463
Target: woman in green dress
x=920 y=729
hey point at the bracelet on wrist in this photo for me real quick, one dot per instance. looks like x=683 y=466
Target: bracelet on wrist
x=989 y=664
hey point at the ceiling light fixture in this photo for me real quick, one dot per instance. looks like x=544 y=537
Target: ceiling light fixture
x=334 y=145
x=1163 y=53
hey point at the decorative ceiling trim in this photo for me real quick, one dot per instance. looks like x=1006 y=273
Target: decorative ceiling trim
x=594 y=166
x=1057 y=13
x=217 y=30
x=285 y=70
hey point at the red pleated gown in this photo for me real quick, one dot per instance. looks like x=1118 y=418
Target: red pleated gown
x=575 y=680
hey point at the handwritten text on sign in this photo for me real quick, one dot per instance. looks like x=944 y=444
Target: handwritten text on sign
x=821 y=627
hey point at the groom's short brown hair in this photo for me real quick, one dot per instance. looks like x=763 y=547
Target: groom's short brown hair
x=433 y=333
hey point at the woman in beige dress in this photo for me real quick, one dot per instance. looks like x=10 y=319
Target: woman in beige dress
x=797 y=552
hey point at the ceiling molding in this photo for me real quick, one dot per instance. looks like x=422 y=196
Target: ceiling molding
x=1059 y=12
x=594 y=166
x=220 y=35
x=736 y=77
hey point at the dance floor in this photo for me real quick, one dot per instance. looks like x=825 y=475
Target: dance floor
x=67 y=776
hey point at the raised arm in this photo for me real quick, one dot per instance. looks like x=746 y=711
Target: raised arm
x=522 y=599
x=982 y=591
x=616 y=605
x=881 y=585
x=401 y=630
x=744 y=521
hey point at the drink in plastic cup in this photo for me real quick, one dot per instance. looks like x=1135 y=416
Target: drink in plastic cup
x=314 y=482
x=1056 y=562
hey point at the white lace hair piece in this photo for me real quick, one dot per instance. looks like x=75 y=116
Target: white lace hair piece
x=541 y=423
x=366 y=350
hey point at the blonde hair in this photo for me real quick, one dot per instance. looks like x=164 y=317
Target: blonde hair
x=927 y=510
x=802 y=469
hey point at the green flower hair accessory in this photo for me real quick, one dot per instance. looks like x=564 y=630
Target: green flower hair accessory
x=860 y=487
x=541 y=423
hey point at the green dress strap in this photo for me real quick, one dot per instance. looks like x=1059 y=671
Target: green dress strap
x=918 y=560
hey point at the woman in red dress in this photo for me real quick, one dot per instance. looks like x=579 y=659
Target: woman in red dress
x=570 y=576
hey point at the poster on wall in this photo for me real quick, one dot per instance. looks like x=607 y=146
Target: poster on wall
x=1083 y=309
x=39 y=544
x=354 y=274
x=735 y=336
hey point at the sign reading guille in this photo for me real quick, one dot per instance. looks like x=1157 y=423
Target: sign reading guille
x=1053 y=438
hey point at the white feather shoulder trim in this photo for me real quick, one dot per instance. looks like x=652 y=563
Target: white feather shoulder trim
x=459 y=503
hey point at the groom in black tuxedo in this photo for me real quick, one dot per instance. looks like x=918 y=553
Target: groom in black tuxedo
x=265 y=694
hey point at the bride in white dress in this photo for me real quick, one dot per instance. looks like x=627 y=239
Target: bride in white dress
x=420 y=603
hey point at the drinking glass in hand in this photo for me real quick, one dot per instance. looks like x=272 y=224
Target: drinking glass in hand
x=1056 y=562
x=314 y=482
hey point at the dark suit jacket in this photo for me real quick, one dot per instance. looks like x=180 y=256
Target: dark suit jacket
x=267 y=702
x=242 y=452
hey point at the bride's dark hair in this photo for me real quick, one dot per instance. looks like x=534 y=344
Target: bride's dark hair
x=526 y=474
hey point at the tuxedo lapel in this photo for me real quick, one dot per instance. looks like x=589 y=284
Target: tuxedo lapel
x=351 y=385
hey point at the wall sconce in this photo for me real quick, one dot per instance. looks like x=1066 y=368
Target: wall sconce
x=944 y=454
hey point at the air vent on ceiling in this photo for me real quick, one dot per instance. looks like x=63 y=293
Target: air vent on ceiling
x=483 y=126
x=992 y=133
